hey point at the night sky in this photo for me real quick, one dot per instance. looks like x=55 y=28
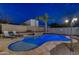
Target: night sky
x=18 y=13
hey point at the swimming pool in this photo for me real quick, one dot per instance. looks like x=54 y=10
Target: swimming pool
x=29 y=43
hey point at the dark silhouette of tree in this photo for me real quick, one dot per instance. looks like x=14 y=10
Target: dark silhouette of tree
x=58 y=25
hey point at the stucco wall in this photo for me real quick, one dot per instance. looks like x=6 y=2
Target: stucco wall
x=9 y=27
x=19 y=28
x=67 y=30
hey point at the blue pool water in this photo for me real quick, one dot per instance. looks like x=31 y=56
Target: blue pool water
x=29 y=43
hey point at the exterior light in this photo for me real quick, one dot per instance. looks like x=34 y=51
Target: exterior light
x=66 y=21
x=74 y=19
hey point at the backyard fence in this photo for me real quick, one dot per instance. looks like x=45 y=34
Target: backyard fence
x=65 y=30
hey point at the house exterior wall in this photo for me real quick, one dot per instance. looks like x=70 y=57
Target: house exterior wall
x=32 y=22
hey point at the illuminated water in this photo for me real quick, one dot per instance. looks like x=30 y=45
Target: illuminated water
x=29 y=43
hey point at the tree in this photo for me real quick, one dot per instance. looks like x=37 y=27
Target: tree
x=44 y=19
x=54 y=25
x=58 y=25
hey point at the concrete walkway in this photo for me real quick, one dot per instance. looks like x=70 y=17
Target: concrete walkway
x=63 y=50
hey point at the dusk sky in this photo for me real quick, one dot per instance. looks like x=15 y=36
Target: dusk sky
x=18 y=13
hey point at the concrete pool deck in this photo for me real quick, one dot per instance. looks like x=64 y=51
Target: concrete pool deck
x=42 y=50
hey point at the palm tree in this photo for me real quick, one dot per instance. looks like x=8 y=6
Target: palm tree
x=44 y=19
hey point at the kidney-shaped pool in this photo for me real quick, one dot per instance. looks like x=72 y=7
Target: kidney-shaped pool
x=29 y=43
